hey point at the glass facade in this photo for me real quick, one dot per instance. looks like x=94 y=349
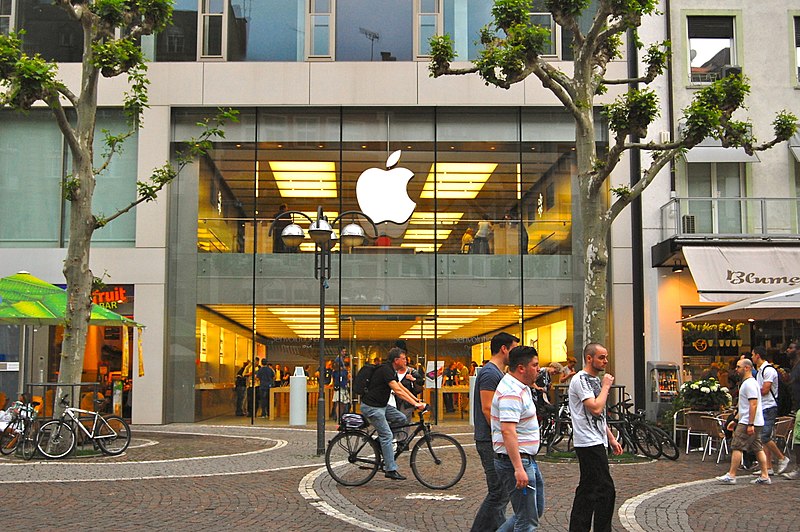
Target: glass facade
x=33 y=162
x=505 y=173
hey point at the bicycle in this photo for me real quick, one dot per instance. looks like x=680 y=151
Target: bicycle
x=354 y=455
x=557 y=427
x=21 y=431
x=635 y=433
x=58 y=438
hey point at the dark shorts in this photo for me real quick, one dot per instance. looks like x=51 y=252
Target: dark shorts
x=742 y=441
x=770 y=415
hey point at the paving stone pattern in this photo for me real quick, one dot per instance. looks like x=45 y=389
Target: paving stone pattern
x=210 y=477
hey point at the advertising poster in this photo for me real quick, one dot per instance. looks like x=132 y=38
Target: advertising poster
x=430 y=374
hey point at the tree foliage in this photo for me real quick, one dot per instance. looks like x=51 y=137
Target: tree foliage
x=513 y=49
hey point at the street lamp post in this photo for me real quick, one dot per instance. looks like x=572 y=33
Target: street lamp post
x=321 y=232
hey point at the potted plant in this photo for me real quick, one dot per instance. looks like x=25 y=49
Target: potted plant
x=704 y=394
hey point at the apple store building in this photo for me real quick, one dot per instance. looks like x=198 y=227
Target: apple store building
x=473 y=236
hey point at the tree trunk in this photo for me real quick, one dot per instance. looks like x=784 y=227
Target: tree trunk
x=593 y=225
x=82 y=223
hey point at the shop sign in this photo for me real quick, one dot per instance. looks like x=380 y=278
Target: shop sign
x=731 y=273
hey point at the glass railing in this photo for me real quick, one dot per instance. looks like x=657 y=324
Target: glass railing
x=445 y=235
x=731 y=218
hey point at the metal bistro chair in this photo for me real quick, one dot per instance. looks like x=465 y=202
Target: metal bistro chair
x=714 y=433
x=782 y=433
x=695 y=426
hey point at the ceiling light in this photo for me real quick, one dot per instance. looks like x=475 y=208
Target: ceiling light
x=457 y=180
x=305 y=179
x=677 y=267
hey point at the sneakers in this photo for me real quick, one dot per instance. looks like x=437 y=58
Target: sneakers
x=794 y=475
x=757 y=473
x=394 y=475
x=727 y=479
x=782 y=465
x=761 y=480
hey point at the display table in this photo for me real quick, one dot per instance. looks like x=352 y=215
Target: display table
x=460 y=400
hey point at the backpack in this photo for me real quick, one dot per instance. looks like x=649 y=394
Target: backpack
x=783 y=396
x=361 y=381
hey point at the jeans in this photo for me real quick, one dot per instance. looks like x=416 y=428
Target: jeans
x=492 y=512
x=595 y=494
x=528 y=503
x=381 y=418
x=240 y=390
x=263 y=396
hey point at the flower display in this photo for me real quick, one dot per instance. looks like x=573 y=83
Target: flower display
x=705 y=394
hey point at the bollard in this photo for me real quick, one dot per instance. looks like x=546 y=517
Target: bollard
x=472 y=380
x=298 y=398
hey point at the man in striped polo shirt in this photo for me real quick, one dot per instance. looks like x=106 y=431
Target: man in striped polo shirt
x=515 y=438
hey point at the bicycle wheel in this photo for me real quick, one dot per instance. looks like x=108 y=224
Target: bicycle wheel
x=28 y=443
x=352 y=458
x=438 y=461
x=113 y=435
x=11 y=436
x=56 y=439
x=646 y=440
x=669 y=449
x=562 y=439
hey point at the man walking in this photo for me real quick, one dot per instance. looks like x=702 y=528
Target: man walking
x=374 y=405
x=492 y=512
x=767 y=378
x=746 y=435
x=795 y=389
x=515 y=436
x=595 y=494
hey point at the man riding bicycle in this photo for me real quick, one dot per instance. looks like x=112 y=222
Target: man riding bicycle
x=375 y=406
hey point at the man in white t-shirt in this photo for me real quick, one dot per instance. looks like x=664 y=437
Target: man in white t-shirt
x=767 y=378
x=595 y=494
x=746 y=435
x=515 y=439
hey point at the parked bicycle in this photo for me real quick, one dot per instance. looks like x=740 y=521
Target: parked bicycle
x=556 y=428
x=57 y=438
x=635 y=433
x=21 y=431
x=354 y=455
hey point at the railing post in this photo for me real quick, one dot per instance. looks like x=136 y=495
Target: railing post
x=764 y=231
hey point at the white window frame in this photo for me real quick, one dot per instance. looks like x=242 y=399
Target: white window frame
x=12 y=16
x=311 y=14
x=418 y=17
x=794 y=18
x=555 y=32
x=202 y=14
x=734 y=42
x=715 y=194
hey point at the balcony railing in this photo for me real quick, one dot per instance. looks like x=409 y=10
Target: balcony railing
x=740 y=218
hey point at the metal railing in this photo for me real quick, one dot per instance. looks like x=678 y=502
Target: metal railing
x=740 y=218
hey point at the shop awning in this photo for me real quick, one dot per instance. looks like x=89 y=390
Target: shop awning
x=718 y=154
x=779 y=305
x=735 y=273
x=794 y=146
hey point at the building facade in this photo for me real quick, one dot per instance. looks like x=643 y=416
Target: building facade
x=326 y=90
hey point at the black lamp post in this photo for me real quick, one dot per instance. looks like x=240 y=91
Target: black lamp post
x=321 y=232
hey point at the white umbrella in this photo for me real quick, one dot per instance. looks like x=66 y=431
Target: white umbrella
x=778 y=305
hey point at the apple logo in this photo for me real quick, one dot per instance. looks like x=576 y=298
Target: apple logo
x=382 y=194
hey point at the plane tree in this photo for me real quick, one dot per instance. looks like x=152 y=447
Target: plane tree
x=513 y=49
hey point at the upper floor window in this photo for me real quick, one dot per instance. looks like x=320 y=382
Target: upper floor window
x=212 y=19
x=374 y=30
x=711 y=47
x=320 y=22
x=6 y=16
x=429 y=19
x=541 y=16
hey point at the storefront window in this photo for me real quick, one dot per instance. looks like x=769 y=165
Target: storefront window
x=708 y=347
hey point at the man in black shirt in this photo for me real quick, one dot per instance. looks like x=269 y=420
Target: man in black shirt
x=375 y=406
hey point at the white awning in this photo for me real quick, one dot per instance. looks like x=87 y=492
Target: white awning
x=735 y=273
x=794 y=146
x=718 y=154
x=796 y=152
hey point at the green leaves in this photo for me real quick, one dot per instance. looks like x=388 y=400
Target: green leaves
x=28 y=79
x=633 y=112
x=784 y=125
x=710 y=112
x=442 y=53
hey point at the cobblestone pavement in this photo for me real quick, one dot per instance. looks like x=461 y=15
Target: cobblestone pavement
x=208 y=477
